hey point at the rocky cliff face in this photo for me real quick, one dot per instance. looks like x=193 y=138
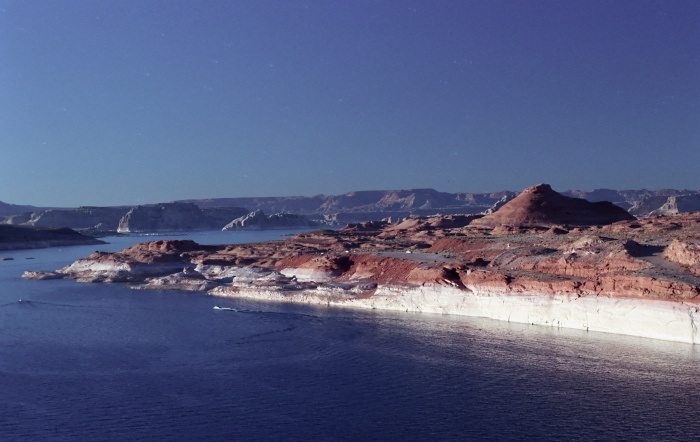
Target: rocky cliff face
x=259 y=221
x=175 y=217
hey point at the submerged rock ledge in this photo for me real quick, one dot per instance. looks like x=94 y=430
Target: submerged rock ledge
x=635 y=277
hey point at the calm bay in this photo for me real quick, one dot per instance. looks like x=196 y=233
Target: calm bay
x=101 y=362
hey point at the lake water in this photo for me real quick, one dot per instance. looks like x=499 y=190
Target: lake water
x=99 y=362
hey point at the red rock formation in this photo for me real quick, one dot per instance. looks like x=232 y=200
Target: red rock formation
x=624 y=259
x=540 y=205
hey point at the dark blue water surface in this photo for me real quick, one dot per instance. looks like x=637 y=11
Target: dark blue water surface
x=97 y=362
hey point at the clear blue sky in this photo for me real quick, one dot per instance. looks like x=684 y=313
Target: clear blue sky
x=107 y=102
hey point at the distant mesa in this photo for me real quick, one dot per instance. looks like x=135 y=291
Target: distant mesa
x=176 y=217
x=258 y=220
x=541 y=205
x=87 y=218
x=369 y=205
x=340 y=210
x=162 y=217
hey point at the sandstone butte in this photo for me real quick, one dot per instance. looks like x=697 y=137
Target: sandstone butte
x=542 y=258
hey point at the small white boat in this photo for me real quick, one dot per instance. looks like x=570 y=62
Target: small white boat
x=216 y=307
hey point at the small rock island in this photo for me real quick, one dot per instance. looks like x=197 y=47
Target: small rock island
x=541 y=258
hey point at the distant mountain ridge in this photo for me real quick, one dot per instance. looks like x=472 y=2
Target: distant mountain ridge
x=360 y=206
x=363 y=201
x=640 y=203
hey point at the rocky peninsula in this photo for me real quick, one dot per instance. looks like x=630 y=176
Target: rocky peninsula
x=541 y=258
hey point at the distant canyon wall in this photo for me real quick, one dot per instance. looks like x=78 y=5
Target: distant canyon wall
x=176 y=217
x=166 y=217
x=644 y=203
x=214 y=214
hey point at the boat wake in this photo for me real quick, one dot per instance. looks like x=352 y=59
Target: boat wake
x=265 y=312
